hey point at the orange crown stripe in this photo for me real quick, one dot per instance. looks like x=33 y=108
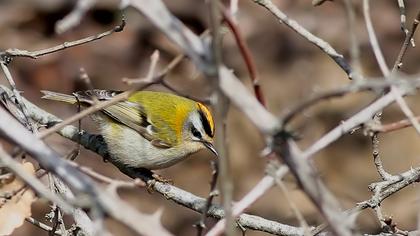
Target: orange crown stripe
x=207 y=115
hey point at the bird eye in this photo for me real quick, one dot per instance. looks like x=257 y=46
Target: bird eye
x=195 y=132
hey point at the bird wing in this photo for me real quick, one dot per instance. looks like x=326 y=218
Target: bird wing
x=131 y=114
x=134 y=116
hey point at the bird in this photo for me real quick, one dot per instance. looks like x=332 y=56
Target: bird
x=150 y=130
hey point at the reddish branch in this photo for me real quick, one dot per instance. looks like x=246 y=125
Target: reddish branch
x=246 y=55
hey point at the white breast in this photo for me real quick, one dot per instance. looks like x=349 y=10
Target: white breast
x=130 y=148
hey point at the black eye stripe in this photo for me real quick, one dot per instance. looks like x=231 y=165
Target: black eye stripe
x=195 y=132
x=206 y=124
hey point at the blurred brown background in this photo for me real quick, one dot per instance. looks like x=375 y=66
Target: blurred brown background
x=290 y=68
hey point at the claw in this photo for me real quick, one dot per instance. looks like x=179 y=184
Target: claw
x=162 y=179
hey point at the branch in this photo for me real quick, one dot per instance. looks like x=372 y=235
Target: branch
x=321 y=44
x=11 y=53
x=312 y=184
x=246 y=55
x=7 y=161
x=407 y=40
x=197 y=50
x=72 y=19
x=257 y=192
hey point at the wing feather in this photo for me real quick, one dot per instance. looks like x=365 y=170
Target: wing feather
x=134 y=116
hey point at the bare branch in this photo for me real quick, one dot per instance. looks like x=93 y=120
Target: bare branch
x=74 y=18
x=195 y=48
x=7 y=161
x=10 y=53
x=321 y=44
x=310 y=182
x=213 y=193
x=408 y=39
x=256 y=192
x=373 y=40
x=246 y=55
x=16 y=95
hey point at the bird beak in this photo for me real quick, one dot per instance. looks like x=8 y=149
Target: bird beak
x=211 y=147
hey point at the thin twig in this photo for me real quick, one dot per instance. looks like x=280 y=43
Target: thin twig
x=221 y=105
x=103 y=104
x=41 y=225
x=17 y=96
x=279 y=181
x=72 y=19
x=408 y=38
x=246 y=55
x=256 y=192
x=311 y=183
x=394 y=126
x=375 y=85
x=373 y=40
x=36 y=54
x=375 y=153
x=321 y=44
x=354 y=42
x=32 y=181
x=382 y=64
x=213 y=193
x=403 y=17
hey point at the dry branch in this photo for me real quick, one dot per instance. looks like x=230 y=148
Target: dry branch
x=321 y=44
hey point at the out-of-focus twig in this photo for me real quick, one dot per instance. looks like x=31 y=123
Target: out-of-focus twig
x=201 y=225
x=403 y=17
x=394 y=126
x=257 y=191
x=373 y=40
x=221 y=107
x=384 y=68
x=197 y=50
x=311 y=183
x=354 y=42
x=100 y=105
x=316 y=3
x=74 y=18
x=375 y=85
x=246 y=55
x=42 y=225
x=7 y=161
x=346 y=126
x=16 y=95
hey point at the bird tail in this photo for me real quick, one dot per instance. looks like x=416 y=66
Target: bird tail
x=61 y=97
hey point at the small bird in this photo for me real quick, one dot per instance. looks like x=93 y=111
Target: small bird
x=151 y=130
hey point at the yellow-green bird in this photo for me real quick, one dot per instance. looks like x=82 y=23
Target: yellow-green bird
x=151 y=130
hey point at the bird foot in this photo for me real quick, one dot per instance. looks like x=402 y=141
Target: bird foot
x=156 y=177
